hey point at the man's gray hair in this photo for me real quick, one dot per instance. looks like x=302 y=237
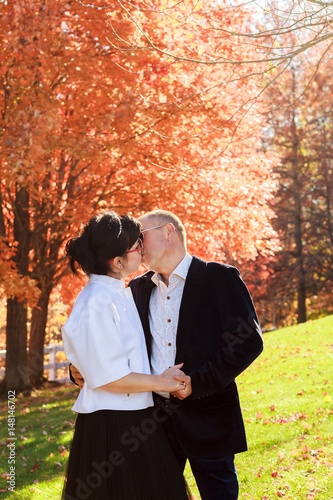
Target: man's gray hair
x=164 y=216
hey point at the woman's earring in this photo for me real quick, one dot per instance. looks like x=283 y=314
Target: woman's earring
x=121 y=266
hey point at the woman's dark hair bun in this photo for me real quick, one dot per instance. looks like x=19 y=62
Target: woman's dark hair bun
x=104 y=237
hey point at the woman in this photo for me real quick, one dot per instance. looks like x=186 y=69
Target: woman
x=119 y=450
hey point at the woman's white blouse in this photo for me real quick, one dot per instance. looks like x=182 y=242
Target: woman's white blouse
x=104 y=339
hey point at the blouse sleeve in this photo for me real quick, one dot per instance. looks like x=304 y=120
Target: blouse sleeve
x=92 y=341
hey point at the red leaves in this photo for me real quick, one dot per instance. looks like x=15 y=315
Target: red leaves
x=34 y=468
x=277 y=419
x=63 y=451
x=86 y=135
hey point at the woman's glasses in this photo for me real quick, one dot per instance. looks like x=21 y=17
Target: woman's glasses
x=139 y=248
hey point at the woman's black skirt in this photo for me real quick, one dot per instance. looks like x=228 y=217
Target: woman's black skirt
x=122 y=455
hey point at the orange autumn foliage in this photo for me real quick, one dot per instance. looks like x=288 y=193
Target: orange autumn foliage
x=87 y=126
x=82 y=133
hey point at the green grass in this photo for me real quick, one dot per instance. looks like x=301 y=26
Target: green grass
x=287 y=403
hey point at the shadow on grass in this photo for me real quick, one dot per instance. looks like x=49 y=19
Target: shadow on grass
x=44 y=424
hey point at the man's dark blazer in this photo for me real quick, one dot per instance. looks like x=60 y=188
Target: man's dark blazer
x=218 y=337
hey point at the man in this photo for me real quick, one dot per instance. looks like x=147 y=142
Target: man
x=199 y=313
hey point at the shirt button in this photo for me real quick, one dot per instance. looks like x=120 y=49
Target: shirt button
x=169 y=320
x=169 y=344
x=168 y=297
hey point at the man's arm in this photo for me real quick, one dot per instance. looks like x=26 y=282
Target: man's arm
x=242 y=339
x=76 y=376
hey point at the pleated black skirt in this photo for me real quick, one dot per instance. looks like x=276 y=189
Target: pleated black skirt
x=122 y=455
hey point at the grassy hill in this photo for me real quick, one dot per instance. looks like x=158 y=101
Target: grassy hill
x=287 y=402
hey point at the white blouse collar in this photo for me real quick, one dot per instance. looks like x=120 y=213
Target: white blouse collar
x=108 y=281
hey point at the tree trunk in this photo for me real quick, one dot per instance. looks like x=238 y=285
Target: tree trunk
x=301 y=301
x=300 y=271
x=328 y=198
x=37 y=338
x=16 y=377
x=298 y=233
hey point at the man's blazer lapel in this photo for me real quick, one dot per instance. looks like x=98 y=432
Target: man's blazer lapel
x=141 y=290
x=189 y=305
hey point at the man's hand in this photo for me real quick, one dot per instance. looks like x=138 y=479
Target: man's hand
x=187 y=391
x=79 y=380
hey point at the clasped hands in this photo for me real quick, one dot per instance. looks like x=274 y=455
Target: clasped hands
x=187 y=391
x=181 y=377
x=187 y=386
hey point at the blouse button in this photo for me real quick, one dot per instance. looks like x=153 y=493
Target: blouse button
x=169 y=320
x=169 y=344
x=168 y=297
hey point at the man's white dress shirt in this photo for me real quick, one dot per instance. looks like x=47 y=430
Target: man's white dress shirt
x=164 y=308
x=104 y=339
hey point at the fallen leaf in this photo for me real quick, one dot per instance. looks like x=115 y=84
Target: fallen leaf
x=306 y=425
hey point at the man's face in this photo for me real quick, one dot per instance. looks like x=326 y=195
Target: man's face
x=154 y=243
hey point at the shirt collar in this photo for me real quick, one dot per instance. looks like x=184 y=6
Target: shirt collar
x=181 y=270
x=107 y=281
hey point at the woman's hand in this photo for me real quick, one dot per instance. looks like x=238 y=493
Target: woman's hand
x=169 y=382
